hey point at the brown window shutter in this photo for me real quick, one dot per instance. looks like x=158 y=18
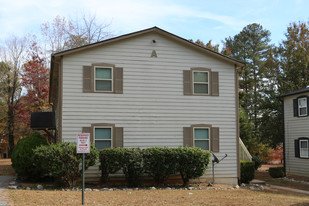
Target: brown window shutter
x=187 y=82
x=88 y=130
x=87 y=83
x=118 y=80
x=118 y=137
x=214 y=139
x=214 y=83
x=187 y=137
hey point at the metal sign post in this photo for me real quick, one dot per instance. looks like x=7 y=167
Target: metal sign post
x=83 y=146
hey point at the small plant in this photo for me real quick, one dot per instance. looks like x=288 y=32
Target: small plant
x=247 y=171
x=111 y=162
x=62 y=161
x=192 y=162
x=276 y=172
x=160 y=163
x=22 y=157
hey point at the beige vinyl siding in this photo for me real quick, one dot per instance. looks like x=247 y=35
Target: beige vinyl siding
x=295 y=127
x=152 y=109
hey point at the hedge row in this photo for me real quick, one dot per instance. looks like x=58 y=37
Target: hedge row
x=159 y=163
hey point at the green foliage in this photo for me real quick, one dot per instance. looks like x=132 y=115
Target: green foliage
x=111 y=161
x=160 y=163
x=257 y=162
x=62 y=161
x=276 y=172
x=157 y=162
x=192 y=162
x=251 y=46
x=22 y=157
x=247 y=171
x=133 y=166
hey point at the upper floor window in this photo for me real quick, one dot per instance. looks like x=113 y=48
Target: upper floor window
x=201 y=138
x=103 y=79
x=302 y=106
x=201 y=82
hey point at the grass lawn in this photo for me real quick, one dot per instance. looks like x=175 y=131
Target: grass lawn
x=262 y=174
x=157 y=197
x=6 y=168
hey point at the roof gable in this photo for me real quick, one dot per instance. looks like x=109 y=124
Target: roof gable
x=299 y=91
x=150 y=30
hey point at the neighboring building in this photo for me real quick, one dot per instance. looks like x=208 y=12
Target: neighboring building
x=149 y=88
x=296 y=132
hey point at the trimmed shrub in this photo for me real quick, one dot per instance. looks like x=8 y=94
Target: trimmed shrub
x=160 y=163
x=192 y=162
x=247 y=171
x=257 y=162
x=62 y=161
x=111 y=162
x=276 y=172
x=22 y=157
x=132 y=166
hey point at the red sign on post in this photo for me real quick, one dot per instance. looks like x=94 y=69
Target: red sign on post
x=83 y=143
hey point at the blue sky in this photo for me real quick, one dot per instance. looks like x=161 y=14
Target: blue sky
x=191 y=19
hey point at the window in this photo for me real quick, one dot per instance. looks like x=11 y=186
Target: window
x=304 y=148
x=200 y=82
x=302 y=106
x=201 y=138
x=103 y=79
x=103 y=137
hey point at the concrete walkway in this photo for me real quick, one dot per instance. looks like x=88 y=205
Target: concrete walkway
x=288 y=189
x=4 y=182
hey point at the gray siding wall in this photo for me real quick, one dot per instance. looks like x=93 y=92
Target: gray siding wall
x=152 y=109
x=295 y=127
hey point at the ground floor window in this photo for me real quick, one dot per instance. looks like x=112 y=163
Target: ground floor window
x=201 y=137
x=304 y=148
x=103 y=137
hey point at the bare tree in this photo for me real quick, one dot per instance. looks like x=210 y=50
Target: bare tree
x=64 y=34
x=12 y=56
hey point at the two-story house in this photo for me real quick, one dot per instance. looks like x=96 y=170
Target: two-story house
x=149 y=88
x=296 y=132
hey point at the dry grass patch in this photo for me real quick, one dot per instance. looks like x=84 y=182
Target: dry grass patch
x=156 y=197
x=6 y=168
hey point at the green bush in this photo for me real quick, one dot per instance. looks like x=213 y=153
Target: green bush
x=132 y=167
x=247 y=171
x=22 y=157
x=62 y=161
x=192 y=162
x=257 y=162
x=159 y=163
x=111 y=162
x=276 y=172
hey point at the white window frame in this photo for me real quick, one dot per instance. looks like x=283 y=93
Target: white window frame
x=202 y=139
x=300 y=153
x=300 y=107
x=193 y=82
x=103 y=127
x=112 y=78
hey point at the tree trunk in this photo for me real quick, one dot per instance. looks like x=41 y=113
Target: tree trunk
x=10 y=130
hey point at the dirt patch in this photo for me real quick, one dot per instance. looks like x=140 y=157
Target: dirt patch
x=6 y=168
x=156 y=197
